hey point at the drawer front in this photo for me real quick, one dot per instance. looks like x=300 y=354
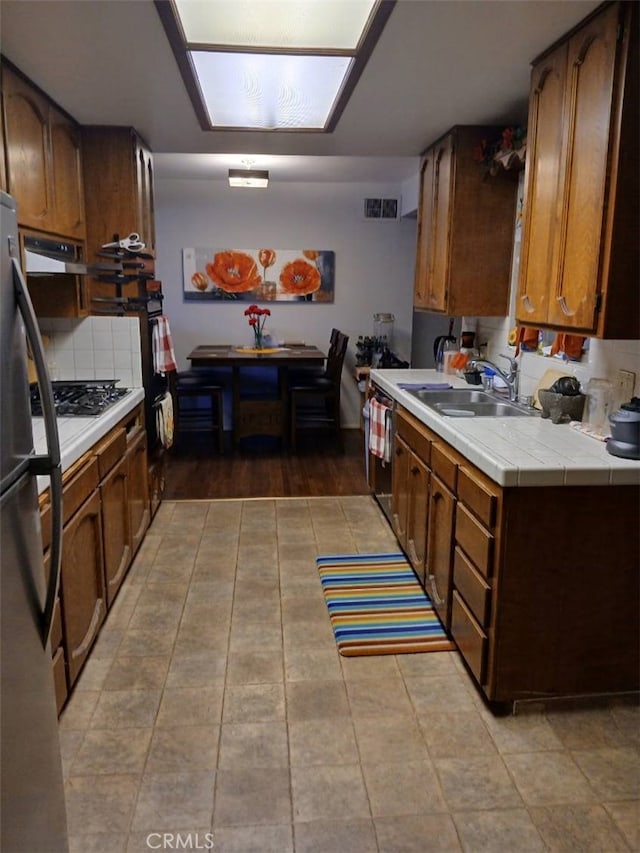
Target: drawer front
x=472 y=587
x=476 y=492
x=79 y=487
x=474 y=539
x=59 y=679
x=415 y=435
x=111 y=450
x=444 y=463
x=469 y=637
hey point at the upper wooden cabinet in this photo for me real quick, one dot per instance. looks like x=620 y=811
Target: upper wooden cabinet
x=465 y=228
x=579 y=262
x=118 y=175
x=43 y=160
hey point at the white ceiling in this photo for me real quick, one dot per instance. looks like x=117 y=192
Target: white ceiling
x=438 y=63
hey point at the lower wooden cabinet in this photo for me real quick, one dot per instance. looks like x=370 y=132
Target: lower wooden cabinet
x=442 y=504
x=58 y=659
x=138 y=489
x=116 y=528
x=537 y=604
x=400 y=489
x=418 y=514
x=105 y=517
x=82 y=583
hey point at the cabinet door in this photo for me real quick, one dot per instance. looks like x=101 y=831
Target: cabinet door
x=440 y=226
x=439 y=562
x=400 y=490
x=539 y=256
x=138 y=490
x=419 y=481
x=82 y=583
x=26 y=115
x=116 y=528
x=425 y=224
x=587 y=110
x=67 y=176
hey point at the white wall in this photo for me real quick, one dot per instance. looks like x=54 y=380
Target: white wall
x=374 y=262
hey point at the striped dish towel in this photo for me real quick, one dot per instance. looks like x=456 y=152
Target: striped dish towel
x=379 y=429
x=164 y=358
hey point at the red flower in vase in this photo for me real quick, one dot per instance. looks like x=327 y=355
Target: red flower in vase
x=257 y=318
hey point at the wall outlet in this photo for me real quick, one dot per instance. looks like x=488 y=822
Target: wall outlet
x=626 y=384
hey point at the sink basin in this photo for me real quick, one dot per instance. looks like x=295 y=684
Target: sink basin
x=465 y=403
x=480 y=410
x=453 y=396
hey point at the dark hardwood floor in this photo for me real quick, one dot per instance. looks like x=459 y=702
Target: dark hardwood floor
x=261 y=469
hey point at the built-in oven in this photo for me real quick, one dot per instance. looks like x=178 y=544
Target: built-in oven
x=380 y=457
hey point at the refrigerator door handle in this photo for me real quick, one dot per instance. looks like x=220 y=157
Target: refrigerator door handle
x=48 y=464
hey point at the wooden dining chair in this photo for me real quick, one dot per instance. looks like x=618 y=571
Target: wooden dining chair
x=301 y=375
x=200 y=404
x=314 y=401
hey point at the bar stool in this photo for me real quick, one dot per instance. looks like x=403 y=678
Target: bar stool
x=193 y=386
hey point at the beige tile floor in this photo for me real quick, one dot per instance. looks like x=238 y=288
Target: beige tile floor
x=215 y=702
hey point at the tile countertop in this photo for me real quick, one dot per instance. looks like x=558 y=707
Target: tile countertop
x=514 y=451
x=77 y=435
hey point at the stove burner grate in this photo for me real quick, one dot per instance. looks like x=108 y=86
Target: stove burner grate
x=78 y=398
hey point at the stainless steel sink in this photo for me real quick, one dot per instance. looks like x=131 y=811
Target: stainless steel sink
x=466 y=403
x=453 y=395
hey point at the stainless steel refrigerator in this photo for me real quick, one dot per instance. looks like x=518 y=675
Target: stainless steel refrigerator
x=32 y=817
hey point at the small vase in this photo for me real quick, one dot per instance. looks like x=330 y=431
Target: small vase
x=257 y=337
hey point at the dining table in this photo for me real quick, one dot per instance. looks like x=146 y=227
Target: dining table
x=259 y=412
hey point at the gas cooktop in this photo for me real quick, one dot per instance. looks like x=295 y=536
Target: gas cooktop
x=79 y=398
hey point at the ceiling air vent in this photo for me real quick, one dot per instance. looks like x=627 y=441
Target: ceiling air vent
x=382 y=209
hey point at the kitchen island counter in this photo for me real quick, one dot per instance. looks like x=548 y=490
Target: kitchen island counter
x=77 y=435
x=525 y=451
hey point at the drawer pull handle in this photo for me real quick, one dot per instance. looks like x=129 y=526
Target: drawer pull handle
x=564 y=307
x=434 y=591
x=528 y=305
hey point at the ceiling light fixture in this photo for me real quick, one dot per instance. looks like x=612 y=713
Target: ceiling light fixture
x=286 y=65
x=257 y=178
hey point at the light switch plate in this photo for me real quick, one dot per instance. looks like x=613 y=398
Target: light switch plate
x=626 y=385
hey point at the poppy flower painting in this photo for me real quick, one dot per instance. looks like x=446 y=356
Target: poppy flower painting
x=258 y=275
x=300 y=277
x=233 y=272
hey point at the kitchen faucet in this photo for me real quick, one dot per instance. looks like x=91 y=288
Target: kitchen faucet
x=510 y=379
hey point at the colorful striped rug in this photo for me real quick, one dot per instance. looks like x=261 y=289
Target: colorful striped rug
x=377 y=606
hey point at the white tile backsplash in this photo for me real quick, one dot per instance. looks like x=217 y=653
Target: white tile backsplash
x=94 y=348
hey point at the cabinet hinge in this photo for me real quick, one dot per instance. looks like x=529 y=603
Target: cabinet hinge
x=598 y=303
x=620 y=32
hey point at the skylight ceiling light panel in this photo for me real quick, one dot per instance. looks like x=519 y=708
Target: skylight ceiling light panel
x=264 y=91
x=284 y=24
